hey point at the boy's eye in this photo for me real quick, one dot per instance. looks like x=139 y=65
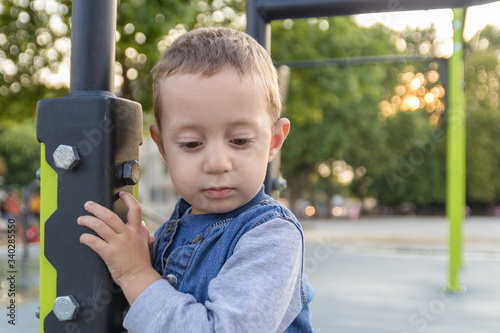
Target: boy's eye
x=240 y=142
x=190 y=145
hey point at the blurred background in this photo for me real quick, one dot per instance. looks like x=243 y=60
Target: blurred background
x=367 y=141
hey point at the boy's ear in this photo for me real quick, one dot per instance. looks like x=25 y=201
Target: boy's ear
x=281 y=130
x=154 y=129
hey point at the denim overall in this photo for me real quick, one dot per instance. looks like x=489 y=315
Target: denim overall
x=191 y=267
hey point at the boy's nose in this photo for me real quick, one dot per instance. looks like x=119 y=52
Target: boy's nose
x=217 y=160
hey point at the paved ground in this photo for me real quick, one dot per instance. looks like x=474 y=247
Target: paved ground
x=388 y=275
x=481 y=234
x=375 y=275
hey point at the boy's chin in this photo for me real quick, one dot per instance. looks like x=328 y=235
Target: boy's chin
x=215 y=209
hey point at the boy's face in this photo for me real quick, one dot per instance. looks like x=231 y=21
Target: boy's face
x=217 y=138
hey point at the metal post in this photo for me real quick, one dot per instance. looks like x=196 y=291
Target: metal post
x=260 y=29
x=257 y=26
x=93 y=31
x=455 y=156
x=89 y=150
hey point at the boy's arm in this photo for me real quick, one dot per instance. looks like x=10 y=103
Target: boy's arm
x=257 y=290
x=125 y=248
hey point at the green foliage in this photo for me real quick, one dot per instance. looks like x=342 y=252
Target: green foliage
x=330 y=106
x=335 y=111
x=33 y=41
x=483 y=118
x=417 y=175
x=20 y=151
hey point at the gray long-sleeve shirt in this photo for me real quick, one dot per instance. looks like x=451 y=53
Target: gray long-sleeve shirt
x=257 y=290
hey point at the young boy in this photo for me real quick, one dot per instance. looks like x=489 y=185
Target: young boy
x=230 y=258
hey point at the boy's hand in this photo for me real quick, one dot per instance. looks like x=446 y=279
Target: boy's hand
x=125 y=248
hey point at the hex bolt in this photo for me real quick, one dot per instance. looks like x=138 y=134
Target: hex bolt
x=65 y=308
x=279 y=184
x=38 y=174
x=37 y=312
x=66 y=157
x=131 y=172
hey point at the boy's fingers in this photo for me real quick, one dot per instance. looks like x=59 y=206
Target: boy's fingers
x=106 y=215
x=134 y=215
x=95 y=243
x=102 y=229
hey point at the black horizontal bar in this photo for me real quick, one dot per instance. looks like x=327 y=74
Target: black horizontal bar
x=355 y=60
x=282 y=9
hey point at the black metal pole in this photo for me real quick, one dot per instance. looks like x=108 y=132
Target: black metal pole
x=283 y=9
x=259 y=28
x=93 y=30
x=90 y=148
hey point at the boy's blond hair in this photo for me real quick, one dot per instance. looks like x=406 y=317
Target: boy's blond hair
x=207 y=51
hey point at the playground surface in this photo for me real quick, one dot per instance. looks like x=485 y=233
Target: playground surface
x=380 y=275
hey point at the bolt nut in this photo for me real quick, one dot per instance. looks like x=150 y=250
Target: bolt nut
x=66 y=308
x=37 y=312
x=279 y=184
x=66 y=157
x=131 y=172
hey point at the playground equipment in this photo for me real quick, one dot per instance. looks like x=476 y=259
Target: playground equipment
x=90 y=140
x=90 y=146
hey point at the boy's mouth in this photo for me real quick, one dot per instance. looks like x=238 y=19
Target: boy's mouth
x=218 y=192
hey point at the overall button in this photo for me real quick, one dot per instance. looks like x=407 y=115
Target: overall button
x=172 y=280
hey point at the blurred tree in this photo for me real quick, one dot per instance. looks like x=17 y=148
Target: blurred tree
x=35 y=46
x=424 y=182
x=20 y=151
x=414 y=114
x=415 y=108
x=483 y=118
x=336 y=112
x=33 y=42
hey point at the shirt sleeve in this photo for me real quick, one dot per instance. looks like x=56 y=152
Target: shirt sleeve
x=257 y=290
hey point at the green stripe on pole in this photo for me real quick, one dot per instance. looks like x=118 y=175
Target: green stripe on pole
x=455 y=159
x=48 y=274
